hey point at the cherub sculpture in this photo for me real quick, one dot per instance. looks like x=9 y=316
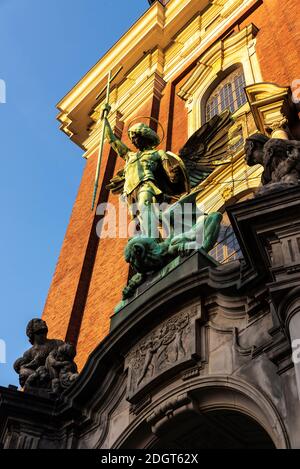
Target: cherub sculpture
x=283 y=159
x=254 y=154
x=279 y=158
x=38 y=380
x=36 y=356
x=48 y=366
x=61 y=367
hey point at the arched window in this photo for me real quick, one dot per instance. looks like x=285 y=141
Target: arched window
x=229 y=94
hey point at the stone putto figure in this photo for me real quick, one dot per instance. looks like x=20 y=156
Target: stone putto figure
x=48 y=366
x=280 y=159
x=254 y=154
x=283 y=159
x=61 y=367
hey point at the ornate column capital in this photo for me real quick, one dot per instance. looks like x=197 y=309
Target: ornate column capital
x=269 y=104
x=279 y=128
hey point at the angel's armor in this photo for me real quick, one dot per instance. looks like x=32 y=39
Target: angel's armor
x=140 y=171
x=140 y=188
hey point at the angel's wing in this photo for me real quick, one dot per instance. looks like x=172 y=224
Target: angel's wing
x=206 y=145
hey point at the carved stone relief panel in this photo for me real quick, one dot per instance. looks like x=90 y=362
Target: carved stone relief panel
x=175 y=343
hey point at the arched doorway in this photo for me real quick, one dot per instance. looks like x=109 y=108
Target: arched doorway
x=222 y=429
x=214 y=412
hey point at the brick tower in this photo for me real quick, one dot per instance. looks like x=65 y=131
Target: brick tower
x=205 y=353
x=177 y=59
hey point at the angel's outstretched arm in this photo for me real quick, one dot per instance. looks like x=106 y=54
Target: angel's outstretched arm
x=115 y=142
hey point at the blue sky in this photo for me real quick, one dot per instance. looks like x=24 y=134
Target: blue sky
x=45 y=48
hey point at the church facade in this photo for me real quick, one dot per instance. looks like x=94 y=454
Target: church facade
x=203 y=355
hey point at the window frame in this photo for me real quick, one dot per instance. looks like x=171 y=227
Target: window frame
x=218 y=87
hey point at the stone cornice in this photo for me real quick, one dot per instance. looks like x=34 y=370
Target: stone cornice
x=268 y=103
x=168 y=37
x=155 y=28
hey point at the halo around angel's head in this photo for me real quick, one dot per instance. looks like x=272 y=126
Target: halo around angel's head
x=138 y=127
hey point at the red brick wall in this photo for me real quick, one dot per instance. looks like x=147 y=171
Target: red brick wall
x=278 y=39
x=109 y=276
x=65 y=282
x=173 y=117
x=66 y=302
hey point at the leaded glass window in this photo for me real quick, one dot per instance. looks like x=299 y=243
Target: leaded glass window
x=229 y=94
x=227 y=247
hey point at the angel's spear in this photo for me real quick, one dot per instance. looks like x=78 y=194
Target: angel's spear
x=110 y=78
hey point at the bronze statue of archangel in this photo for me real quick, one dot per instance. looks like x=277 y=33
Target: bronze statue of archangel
x=152 y=176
